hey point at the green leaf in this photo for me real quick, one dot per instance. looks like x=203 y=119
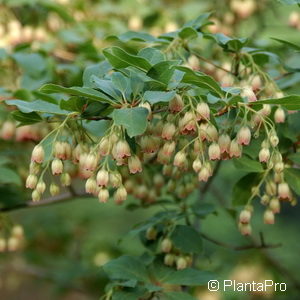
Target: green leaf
x=37 y=106
x=121 y=59
x=72 y=104
x=247 y=164
x=9 y=176
x=242 y=189
x=188 y=277
x=162 y=71
x=291 y=102
x=120 y=81
x=187 y=239
x=153 y=55
x=97 y=128
x=154 y=97
x=106 y=86
x=126 y=268
x=292 y=177
x=98 y=70
x=177 y=296
x=133 y=119
x=201 y=80
x=295 y=157
x=292 y=45
x=187 y=33
x=175 y=79
x=227 y=43
x=26 y=119
x=289 y=2
x=77 y=91
x=133 y=36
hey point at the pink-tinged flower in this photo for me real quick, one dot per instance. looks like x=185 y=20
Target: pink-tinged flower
x=244 y=136
x=269 y=217
x=224 y=143
x=264 y=155
x=214 y=151
x=203 y=111
x=176 y=104
x=235 y=149
x=249 y=94
x=134 y=165
x=102 y=177
x=57 y=166
x=245 y=216
x=279 y=115
x=120 y=195
x=168 y=131
x=103 y=195
x=8 y=130
x=121 y=150
x=284 y=191
x=31 y=181
x=91 y=186
x=38 y=154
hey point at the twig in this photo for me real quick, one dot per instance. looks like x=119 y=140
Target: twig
x=47 y=201
x=239 y=248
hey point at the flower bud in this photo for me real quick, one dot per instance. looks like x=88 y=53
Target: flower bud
x=279 y=167
x=284 y=191
x=166 y=245
x=244 y=136
x=294 y=19
x=122 y=150
x=151 y=234
x=249 y=94
x=2 y=244
x=141 y=192
x=266 y=110
x=134 y=165
x=245 y=229
x=197 y=165
x=274 y=140
x=59 y=150
x=169 y=259
x=91 y=186
x=271 y=188
x=12 y=244
x=168 y=131
x=54 y=189
x=264 y=155
x=57 y=166
x=17 y=231
x=245 y=216
x=204 y=173
x=150 y=144
x=102 y=177
x=224 y=143
x=158 y=180
x=38 y=154
x=180 y=159
x=168 y=148
x=275 y=205
x=41 y=187
x=269 y=217
x=279 y=115
x=212 y=133
x=35 y=196
x=181 y=263
x=104 y=146
x=8 y=130
x=214 y=151
x=120 y=195
x=31 y=181
x=34 y=168
x=65 y=179
x=176 y=104
x=115 y=179
x=235 y=149
x=203 y=111
x=90 y=162
x=103 y=195
x=265 y=199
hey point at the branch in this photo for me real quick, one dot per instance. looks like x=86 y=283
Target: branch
x=255 y=245
x=47 y=201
